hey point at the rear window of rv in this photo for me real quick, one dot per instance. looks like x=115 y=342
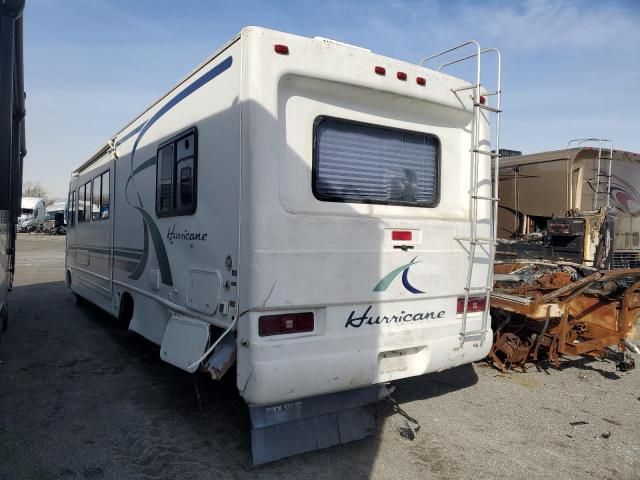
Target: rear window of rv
x=362 y=163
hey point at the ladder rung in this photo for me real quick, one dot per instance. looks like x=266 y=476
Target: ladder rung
x=489 y=94
x=474 y=333
x=486 y=107
x=479 y=241
x=480 y=197
x=462 y=89
x=484 y=152
x=479 y=289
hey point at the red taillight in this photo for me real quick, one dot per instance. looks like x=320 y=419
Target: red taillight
x=281 y=49
x=476 y=304
x=401 y=76
x=285 y=323
x=404 y=235
x=483 y=100
x=380 y=70
x=421 y=81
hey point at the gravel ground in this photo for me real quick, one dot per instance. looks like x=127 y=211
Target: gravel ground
x=81 y=399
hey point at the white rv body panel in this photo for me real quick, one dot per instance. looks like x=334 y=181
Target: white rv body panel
x=260 y=242
x=327 y=257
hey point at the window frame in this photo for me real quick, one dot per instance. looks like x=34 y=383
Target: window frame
x=175 y=211
x=101 y=176
x=84 y=201
x=327 y=198
x=71 y=209
x=93 y=193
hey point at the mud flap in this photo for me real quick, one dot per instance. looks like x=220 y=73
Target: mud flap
x=285 y=429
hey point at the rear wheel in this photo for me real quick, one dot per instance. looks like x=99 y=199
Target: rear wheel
x=125 y=313
x=78 y=300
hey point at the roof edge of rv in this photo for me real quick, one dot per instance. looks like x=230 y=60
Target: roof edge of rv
x=20 y=99
x=564 y=154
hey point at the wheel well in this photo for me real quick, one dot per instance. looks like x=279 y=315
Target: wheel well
x=125 y=313
x=67 y=278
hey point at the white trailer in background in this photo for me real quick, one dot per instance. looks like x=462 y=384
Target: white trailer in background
x=32 y=213
x=316 y=213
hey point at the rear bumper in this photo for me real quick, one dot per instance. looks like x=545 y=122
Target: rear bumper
x=291 y=369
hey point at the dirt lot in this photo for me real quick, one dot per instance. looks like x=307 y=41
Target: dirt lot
x=80 y=399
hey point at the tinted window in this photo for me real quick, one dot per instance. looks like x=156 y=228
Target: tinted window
x=84 y=202
x=95 y=200
x=361 y=163
x=176 y=176
x=104 y=196
x=164 y=194
x=71 y=206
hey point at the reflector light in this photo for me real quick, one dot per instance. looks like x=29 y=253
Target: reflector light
x=483 y=100
x=285 y=323
x=281 y=49
x=421 y=81
x=476 y=304
x=401 y=235
x=380 y=70
x=401 y=76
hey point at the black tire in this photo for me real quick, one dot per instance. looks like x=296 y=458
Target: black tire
x=125 y=312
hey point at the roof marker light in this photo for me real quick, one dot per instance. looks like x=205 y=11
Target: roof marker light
x=401 y=76
x=483 y=100
x=380 y=70
x=281 y=49
x=421 y=81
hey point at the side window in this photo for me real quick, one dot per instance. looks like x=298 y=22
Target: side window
x=104 y=197
x=95 y=199
x=71 y=209
x=82 y=191
x=185 y=167
x=164 y=187
x=100 y=199
x=176 y=176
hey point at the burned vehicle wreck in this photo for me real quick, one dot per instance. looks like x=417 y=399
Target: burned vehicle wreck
x=544 y=310
x=559 y=289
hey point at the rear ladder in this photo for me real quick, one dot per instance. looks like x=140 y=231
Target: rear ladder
x=480 y=108
x=605 y=155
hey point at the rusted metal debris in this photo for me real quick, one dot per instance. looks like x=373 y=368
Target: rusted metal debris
x=544 y=310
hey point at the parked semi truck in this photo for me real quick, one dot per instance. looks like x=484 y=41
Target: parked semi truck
x=12 y=141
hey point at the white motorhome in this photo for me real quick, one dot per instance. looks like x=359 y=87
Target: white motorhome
x=32 y=214
x=309 y=210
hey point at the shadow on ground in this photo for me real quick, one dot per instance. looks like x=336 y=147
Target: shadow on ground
x=83 y=398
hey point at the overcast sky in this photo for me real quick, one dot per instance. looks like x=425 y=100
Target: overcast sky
x=571 y=69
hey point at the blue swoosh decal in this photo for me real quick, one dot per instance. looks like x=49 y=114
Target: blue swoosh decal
x=156 y=238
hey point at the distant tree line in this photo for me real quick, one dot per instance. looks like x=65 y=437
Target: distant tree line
x=35 y=189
